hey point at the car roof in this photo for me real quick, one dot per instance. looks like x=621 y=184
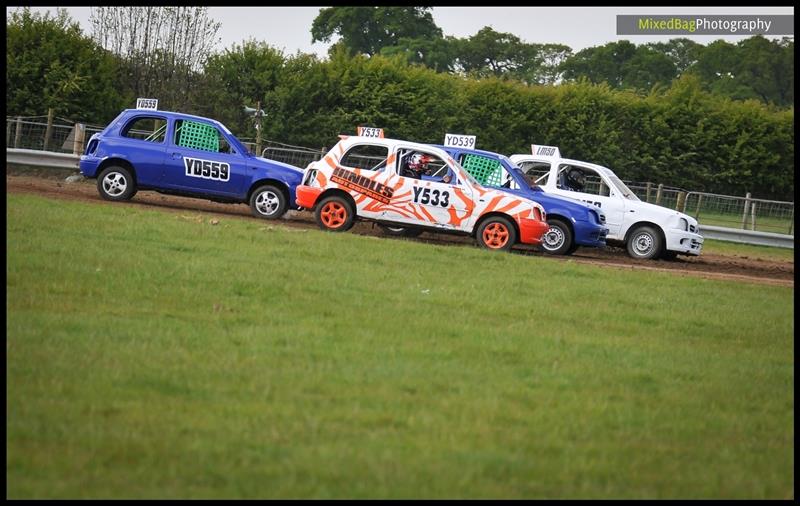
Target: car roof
x=170 y=113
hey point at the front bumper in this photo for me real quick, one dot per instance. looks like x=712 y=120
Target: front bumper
x=531 y=230
x=590 y=234
x=682 y=242
x=307 y=196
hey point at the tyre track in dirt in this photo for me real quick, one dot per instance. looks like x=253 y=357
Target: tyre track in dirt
x=709 y=266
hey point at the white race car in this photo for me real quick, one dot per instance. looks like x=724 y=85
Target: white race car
x=409 y=187
x=647 y=230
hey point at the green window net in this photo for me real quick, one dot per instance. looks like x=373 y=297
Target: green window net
x=198 y=136
x=486 y=171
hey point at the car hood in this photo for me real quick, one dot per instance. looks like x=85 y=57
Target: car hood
x=266 y=163
x=655 y=209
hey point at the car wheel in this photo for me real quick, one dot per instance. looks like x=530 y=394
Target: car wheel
x=334 y=213
x=558 y=239
x=268 y=201
x=401 y=231
x=116 y=183
x=497 y=233
x=644 y=243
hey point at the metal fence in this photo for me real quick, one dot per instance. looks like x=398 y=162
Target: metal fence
x=298 y=156
x=48 y=134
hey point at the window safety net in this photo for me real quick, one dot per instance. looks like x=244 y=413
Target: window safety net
x=198 y=136
x=486 y=171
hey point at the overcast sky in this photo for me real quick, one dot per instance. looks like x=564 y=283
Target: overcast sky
x=289 y=28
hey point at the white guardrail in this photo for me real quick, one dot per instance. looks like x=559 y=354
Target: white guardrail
x=40 y=158
x=747 y=236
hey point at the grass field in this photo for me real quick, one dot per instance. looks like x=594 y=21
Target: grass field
x=184 y=355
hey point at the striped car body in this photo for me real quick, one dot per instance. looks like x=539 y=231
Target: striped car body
x=381 y=194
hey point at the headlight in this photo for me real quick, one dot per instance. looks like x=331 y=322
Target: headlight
x=683 y=224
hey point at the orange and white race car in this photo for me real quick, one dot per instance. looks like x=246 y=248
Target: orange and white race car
x=408 y=188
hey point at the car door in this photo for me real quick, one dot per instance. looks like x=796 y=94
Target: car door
x=200 y=159
x=440 y=199
x=145 y=146
x=598 y=192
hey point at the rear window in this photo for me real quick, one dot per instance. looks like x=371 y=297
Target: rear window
x=366 y=156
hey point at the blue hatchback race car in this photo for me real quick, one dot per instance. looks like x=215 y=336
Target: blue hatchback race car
x=572 y=223
x=191 y=156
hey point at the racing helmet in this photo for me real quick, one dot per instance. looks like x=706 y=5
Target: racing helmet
x=418 y=162
x=576 y=178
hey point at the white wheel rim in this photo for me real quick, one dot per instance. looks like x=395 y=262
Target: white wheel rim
x=643 y=244
x=553 y=239
x=115 y=184
x=267 y=202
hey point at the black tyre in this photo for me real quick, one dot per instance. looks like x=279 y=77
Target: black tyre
x=401 y=231
x=335 y=213
x=644 y=243
x=268 y=202
x=116 y=183
x=496 y=233
x=558 y=239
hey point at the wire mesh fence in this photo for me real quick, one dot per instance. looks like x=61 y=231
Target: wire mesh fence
x=298 y=156
x=744 y=213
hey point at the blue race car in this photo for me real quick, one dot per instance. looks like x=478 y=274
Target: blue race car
x=572 y=223
x=191 y=156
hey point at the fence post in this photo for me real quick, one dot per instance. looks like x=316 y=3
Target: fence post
x=258 y=127
x=744 y=214
x=791 y=224
x=658 y=193
x=753 y=216
x=647 y=196
x=8 y=133
x=681 y=202
x=80 y=133
x=18 y=133
x=699 y=201
x=49 y=131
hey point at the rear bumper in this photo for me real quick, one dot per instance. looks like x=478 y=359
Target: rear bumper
x=307 y=196
x=531 y=231
x=88 y=165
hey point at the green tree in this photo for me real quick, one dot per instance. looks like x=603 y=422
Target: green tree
x=437 y=53
x=367 y=30
x=621 y=64
x=50 y=63
x=240 y=75
x=682 y=52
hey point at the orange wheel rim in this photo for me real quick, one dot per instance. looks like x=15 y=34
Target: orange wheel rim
x=495 y=235
x=333 y=215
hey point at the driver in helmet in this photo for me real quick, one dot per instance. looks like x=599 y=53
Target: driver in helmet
x=575 y=179
x=416 y=165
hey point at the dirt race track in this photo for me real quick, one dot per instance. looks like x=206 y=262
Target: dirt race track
x=730 y=267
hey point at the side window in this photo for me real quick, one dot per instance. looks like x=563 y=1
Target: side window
x=424 y=166
x=581 y=179
x=200 y=136
x=536 y=172
x=366 y=157
x=146 y=128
